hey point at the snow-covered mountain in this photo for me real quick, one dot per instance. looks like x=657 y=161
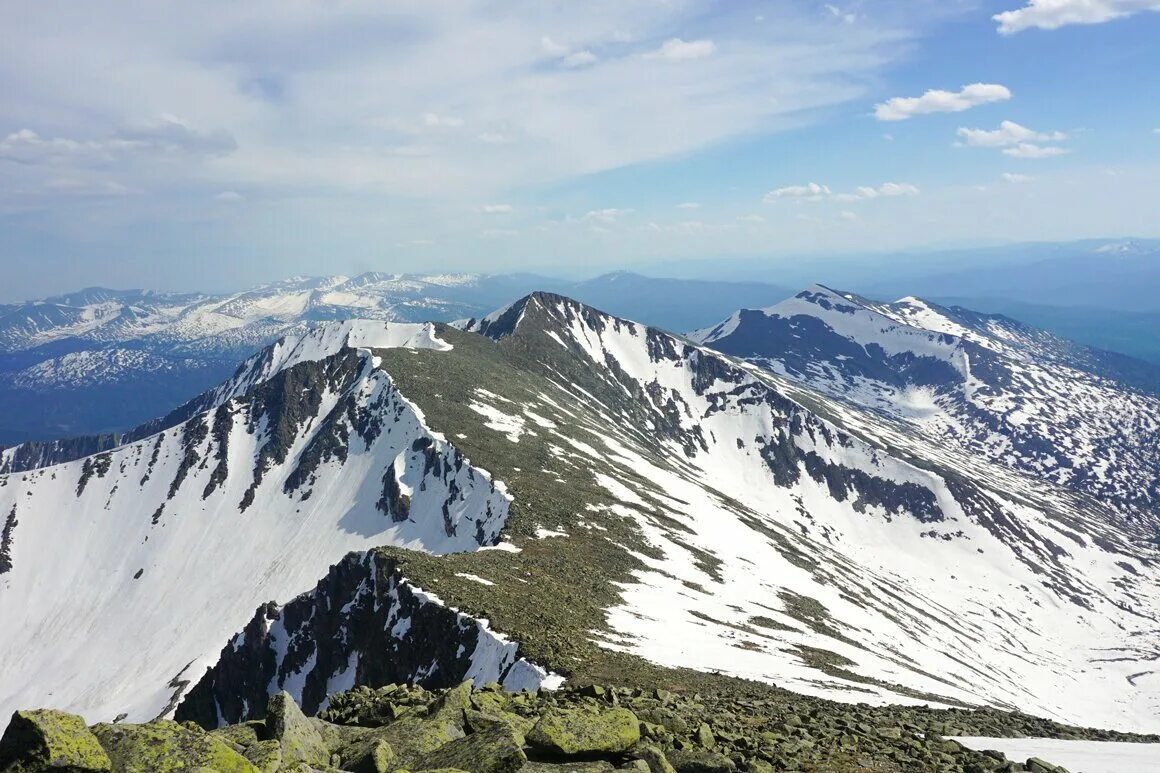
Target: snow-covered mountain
x=985 y=384
x=102 y=361
x=560 y=492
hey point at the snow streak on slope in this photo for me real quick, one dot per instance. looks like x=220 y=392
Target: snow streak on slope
x=124 y=572
x=983 y=383
x=787 y=549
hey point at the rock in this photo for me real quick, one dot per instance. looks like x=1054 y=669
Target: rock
x=266 y=756
x=595 y=766
x=244 y=735
x=164 y=745
x=584 y=731
x=699 y=761
x=654 y=758
x=479 y=720
x=413 y=738
x=494 y=750
x=705 y=736
x=1036 y=765
x=48 y=740
x=299 y=738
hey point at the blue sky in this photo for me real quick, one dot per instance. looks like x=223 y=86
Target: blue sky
x=211 y=145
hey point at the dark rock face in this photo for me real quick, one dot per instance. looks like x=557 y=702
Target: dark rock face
x=10 y=524
x=36 y=454
x=363 y=617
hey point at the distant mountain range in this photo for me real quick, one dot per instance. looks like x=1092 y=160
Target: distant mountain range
x=102 y=361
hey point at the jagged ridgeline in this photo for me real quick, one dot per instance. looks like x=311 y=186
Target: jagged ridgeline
x=553 y=493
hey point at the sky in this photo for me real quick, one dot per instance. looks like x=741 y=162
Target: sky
x=210 y=145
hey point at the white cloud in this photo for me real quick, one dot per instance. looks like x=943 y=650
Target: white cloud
x=847 y=17
x=497 y=209
x=939 y=101
x=678 y=50
x=689 y=205
x=229 y=196
x=1016 y=178
x=1031 y=150
x=498 y=233
x=580 y=59
x=817 y=192
x=1009 y=133
x=552 y=48
x=608 y=215
x=809 y=192
x=1053 y=14
x=166 y=136
x=751 y=218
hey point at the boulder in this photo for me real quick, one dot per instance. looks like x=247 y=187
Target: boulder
x=48 y=740
x=493 y=750
x=700 y=761
x=295 y=733
x=164 y=745
x=585 y=731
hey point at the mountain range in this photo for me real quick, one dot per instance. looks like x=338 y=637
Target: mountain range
x=871 y=503
x=99 y=361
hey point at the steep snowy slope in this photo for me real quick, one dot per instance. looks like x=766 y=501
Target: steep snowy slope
x=671 y=507
x=984 y=383
x=661 y=506
x=123 y=572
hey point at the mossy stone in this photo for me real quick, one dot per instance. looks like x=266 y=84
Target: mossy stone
x=244 y=735
x=47 y=740
x=266 y=756
x=585 y=731
x=295 y=733
x=164 y=745
x=493 y=750
x=413 y=738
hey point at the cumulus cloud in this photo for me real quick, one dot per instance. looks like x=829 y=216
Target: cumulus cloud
x=817 y=192
x=1017 y=179
x=1031 y=150
x=689 y=205
x=678 y=50
x=608 y=215
x=168 y=135
x=1009 y=133
x=752 y=219
x=229 y=196
x=1053 y=14
x=939 y=101
x=809 y=192
x=497 y=209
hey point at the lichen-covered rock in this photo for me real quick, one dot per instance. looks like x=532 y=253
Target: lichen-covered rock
x=49 y=740
x=413 y=738
x=585 y=731
x=654 y=758
x=266 y=756
x=590 y=766
x=700 y=761
x=494 y=750
x=164 y=745
x=244 y=735
x=299 y=738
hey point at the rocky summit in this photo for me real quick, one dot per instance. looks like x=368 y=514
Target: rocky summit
x=587 y=729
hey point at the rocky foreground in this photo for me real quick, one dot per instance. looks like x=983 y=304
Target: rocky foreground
x=576 y=730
